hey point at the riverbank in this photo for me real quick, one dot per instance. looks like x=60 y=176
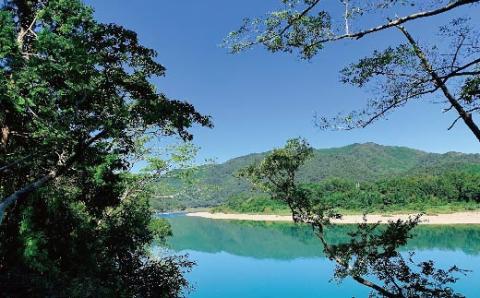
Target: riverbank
x=438 y=219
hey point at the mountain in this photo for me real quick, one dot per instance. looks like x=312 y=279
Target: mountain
x=357 y=162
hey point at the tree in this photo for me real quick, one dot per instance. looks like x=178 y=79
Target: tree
x=400 y=74
x=276 y=174
x=371 y=257
x=181 y=182
x=76 y=109
x=449 y=69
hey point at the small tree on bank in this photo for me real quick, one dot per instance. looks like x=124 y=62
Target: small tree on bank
x=371 y=257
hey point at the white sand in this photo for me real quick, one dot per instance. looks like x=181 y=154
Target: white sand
x=440 y=219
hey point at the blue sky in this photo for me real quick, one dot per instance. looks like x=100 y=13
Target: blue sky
x=257 y=99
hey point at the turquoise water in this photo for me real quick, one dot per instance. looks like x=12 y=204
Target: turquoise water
x=258 y=259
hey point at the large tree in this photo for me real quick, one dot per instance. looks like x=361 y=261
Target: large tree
x=447 y=71
x=76 y=103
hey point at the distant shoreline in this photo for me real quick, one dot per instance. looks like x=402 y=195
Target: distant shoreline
x=440 y=219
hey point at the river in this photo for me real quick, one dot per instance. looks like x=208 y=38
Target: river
x=264 y=259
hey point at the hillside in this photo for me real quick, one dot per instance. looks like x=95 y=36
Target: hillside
x=356 y=162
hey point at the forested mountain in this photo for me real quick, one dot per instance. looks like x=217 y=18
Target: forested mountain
x=356 y=162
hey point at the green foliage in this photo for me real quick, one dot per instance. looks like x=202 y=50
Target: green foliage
x=245 y=203
x=77 y=108
x=471 y=89
x=306 y=26
x=160 y=228
x=179 y=178
x=371 y=256
x=303 y=30
x=363 y=163
x=415 y=193
x=451 y=191
x=397 y=75
x=279 y=167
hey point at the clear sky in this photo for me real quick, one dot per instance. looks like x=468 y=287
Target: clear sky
x=257 y=99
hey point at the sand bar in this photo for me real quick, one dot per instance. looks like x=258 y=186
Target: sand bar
x=440 y=219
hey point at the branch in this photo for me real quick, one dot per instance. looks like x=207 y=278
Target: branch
x=448 y=109
x=24 y=32
x=454 y=122
x=395 y=104
x=472 y=63
x=62 y=166
x=465 y=73
x=347 y=27
x=341 y=262
x=301 y=15
x=139 y=186
x=6 y=167
x=25 y=191
x=369 y=284
x=381 y=114
x=458 y=70
x=4 y=137
x=457 y=52
x=391 y=278
x=399 y=21
x=317 y=225
x=467 y=117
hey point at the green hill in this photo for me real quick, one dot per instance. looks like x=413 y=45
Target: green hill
x=356 y=162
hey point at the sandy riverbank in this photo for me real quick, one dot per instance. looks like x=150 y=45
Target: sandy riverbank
x=440 y=219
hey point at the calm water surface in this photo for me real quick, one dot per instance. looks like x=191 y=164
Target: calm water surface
x=257 y=259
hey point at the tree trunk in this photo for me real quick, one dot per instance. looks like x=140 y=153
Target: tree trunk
x=21 y=193
x=4 y=137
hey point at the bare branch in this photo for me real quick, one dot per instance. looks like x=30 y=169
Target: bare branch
x=454 y=122
x=467 y=117
x=457 y=52
x=403 y=20
x=346 y=16
x=447 y=109
x=394 y=105
x=465 y=73
x=458 y=70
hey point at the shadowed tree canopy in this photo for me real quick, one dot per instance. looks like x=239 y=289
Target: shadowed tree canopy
x=76 y=107
x=70 y=85
x=447 y=71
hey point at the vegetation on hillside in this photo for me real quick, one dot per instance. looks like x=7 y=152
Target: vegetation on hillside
x=357 y=163
x=451 y=191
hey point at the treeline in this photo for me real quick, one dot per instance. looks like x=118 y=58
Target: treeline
x=250 y=203
x=357 y=163
x=454 y=191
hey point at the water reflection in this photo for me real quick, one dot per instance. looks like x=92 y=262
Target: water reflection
x=286 y=241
